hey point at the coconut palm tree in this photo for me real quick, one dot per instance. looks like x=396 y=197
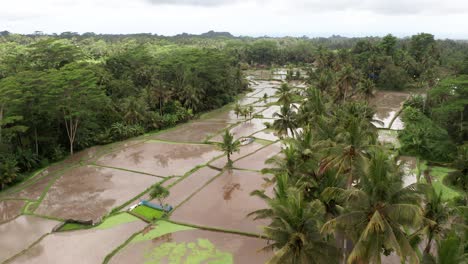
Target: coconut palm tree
x=347 y=78
x=350 y=150
x=191 y=96
x=286 y=120
x=294 y=228
x=366 y=88
x=237 y=110
x=378 y=213
x=229 y=146
x=285 y=94
x=449 y=250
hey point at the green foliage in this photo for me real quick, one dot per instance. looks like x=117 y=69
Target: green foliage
x=393 y=78
x=8 y=171
x=159 y=192
x=229 y=146
x=147 y=212
x=424 y=138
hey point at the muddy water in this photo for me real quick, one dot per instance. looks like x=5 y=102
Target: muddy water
x=270 y=111
x=10 y=209
x=84 y=246
x=257 y=160
x=241 y=248
x=89 y=192
x=408 y=165
x=387 y=104
x=248 y=100
x=245 y=129
x=35 y=190
x=266 y=135
x=225 y=203
x=244 y=150
x=192 y=132
x=21 y=232
x=160 y=158
x=183 y=189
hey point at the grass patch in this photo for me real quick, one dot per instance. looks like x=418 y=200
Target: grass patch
x=438 y=175
x=160 y=228
x=74 y=226
x=148 y=212
x=116 y=220
x=263 y=141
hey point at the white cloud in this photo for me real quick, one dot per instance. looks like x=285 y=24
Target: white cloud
x=241 y=17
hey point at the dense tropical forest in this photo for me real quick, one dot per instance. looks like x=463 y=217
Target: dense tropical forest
x=339 y=193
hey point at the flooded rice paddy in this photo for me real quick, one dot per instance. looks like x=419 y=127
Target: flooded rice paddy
x=161 y=158
x=205 y=246
x=88 y=185
x=225 y=202
x=10 y=209
x=18 y=234
x=82 y=246
x=90 y=192
x=387 y=104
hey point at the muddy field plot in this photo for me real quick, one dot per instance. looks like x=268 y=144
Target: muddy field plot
x=244 y=150
x=89 y=192
x=244 y=129
x=387 y=105
x=225 y=203
x=82 y=246
x=21 y=232
x=270 y=111
x=257 y=160
x=9 y=209
x=161 y=158
x=266 y=135
x=205 y=246
x=183 y=189
x=192 y=132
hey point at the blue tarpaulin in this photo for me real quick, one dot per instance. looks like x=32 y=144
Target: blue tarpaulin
x=166 y=208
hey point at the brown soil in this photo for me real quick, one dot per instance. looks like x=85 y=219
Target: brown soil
x=225 y=203
x=257 y=160
x=10 y=209
x=245 y=129
x=243 y=249
x=21 y=232
x=192 y=132
x=244 y=150
x=89 y=192
x=84 y=246
x=270 y=111
x=266 y=135
x=159 y=158
x=183 y=189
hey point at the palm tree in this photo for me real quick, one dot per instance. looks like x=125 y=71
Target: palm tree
x=286 y=120
x=366 y=87
x=449 y=250
x=229 y=146
x=294 y=228
x=134 y=110
x=378 y=213
x=350 y=151
x=250 y=110
x=346 y=81
x=285 y=94
x=191 y=96
x=237 y=110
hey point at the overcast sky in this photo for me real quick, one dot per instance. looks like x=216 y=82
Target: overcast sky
x=444 y=18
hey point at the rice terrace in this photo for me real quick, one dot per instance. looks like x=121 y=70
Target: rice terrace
x=214 y=148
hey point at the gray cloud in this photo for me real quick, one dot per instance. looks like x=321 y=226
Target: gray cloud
x=387 y=7
x=205 y=3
